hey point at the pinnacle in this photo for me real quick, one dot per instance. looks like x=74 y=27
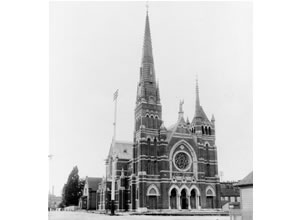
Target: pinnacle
x=198 y=107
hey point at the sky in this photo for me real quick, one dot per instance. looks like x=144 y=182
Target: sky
x=96 y=48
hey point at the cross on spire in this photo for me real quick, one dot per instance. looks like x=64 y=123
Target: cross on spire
x=147 y=6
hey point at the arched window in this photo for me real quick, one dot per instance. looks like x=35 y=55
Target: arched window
x=208 y=169
x=206 y=130
x=147 y=121
x=209 y=131
x=148 y=146
x=156 y=122
x=202 y=128
x=151 y=125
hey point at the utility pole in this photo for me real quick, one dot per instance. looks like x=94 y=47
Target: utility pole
x=113 y=159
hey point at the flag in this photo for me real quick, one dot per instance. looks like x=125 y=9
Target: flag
x=116 y=94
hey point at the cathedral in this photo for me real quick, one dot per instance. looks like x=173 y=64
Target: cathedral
x=164 y=168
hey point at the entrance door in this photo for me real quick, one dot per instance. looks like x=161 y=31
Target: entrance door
x=193 y=199
x=152 y=202
x=210 y=202
x=173 y=199
x=183 y=198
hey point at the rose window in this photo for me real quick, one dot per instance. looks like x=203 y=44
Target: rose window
x=182 y=160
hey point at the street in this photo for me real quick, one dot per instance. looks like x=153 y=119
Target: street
x=92 y=216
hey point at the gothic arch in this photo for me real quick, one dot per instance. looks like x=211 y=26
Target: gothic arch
x=173 y=187
x=197 y=190
x=151 y=189
x=206 y=144
x=150 y=138
x=192 y=152
x=210 y=188
x=186 y=188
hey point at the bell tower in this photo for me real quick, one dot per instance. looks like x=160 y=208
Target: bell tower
x=148 y=108
x=148 y=121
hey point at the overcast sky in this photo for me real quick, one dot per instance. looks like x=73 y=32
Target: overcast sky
x=96 y=48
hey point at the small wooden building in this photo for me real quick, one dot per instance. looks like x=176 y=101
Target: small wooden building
x=88 y=200
x=246 y=205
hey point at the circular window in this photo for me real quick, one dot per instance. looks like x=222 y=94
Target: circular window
x=182 y=160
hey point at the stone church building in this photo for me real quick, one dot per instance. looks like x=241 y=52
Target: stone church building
x=164 y=168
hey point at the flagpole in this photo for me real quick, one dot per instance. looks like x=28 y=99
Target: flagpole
x=113 y=159
x=115 y=117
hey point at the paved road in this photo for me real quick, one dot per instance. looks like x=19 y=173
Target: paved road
x=92 y=216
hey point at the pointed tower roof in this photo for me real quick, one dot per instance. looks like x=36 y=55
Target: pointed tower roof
x=198 y=107
x=199 y=112
x=147 y=46
x=187 y=120
x=212 y=118
x=149 y=91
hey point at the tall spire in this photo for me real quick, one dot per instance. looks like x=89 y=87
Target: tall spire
x=147 y=47
x=148 y=88
x=198 y=108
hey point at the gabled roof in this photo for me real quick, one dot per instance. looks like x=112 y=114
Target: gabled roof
x=179 y=127
x=93 y=182
x=247 y=181
x=121 y=149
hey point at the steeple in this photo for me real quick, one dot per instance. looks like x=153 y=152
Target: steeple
x=148 y=109
x=200 y=115
x=147 y=46
x=148 y=90
x=198 y=107
x=187 y=121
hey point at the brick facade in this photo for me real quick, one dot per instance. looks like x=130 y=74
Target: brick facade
x=169 y=168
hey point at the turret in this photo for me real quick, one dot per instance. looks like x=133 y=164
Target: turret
x=200 y=120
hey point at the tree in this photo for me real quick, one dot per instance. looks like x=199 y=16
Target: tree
x=72 y=189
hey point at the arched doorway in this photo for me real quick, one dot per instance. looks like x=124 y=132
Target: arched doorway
x=173 y=201
x=193 y=199
x=183 y=199
x=210 y=198
x=153 y=195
